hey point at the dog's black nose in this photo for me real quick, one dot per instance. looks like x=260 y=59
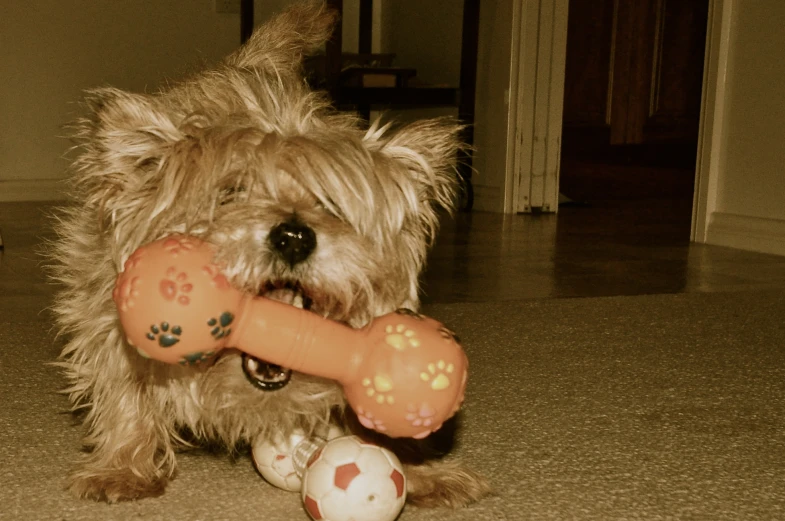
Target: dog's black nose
x=293 y=241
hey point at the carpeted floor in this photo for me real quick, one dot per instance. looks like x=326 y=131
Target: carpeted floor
x=664 y=407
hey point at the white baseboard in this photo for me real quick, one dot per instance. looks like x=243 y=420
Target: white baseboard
x=747 y=233
x=32 y=190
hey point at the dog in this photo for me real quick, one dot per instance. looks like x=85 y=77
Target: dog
x=304 y=204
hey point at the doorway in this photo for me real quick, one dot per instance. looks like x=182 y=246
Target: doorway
x=632 y=101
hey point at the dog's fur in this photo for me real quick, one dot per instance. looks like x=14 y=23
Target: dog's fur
x=227 y=155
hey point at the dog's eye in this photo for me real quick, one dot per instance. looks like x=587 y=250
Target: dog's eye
x=148 y=163
x=231 y=194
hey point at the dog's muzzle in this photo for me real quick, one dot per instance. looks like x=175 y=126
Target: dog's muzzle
x=264 y=375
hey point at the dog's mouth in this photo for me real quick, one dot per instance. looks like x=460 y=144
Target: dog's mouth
x=262 y=374
x=287 y=291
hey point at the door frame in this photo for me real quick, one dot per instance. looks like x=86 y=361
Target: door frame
x=535 y=50
x=534 y=111
x=711 y=136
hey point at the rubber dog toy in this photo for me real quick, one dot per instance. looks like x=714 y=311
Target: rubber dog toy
x=404 y=374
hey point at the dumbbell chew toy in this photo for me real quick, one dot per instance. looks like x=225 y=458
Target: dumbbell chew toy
x=404 y=374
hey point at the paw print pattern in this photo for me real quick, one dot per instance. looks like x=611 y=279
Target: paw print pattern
x=176 y=245
x=176 y=286
x=220 y=326
x=196 y=358
x=400 y=337
x=420 y=417
x=409 y=313
x=437 y=375
x=369 y=422
x=377 y=388
x=125 y=292
x=166 y=336
x=218 y=279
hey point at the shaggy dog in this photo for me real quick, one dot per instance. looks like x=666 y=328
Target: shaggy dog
x=303 y=204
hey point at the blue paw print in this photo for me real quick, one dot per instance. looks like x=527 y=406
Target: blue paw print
x=221 y=325
x=166 y=336
x=196 y=358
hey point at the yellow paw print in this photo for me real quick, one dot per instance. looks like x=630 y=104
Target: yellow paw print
x=437 y=375
x=377 y=387
x=400 y=337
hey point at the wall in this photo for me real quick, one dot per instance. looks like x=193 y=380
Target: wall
x=749 y=211
x=755 y=112
x=491 y=110
x=51 y=50
x=426 y=36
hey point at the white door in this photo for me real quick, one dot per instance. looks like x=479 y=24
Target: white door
x=538 y=59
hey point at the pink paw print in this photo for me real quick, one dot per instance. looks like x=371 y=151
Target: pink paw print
x=176 y=245
x=125 y=292
x=214 y=272
x=176 y=286
x=422 y=417
x=369 y=422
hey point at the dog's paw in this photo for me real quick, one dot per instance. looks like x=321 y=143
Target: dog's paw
x=114 y=485
x=444 y=484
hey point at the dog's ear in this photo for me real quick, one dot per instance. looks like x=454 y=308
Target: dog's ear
x=120 y=136
x=124 y=128
x=282 y=42
x=428 y=151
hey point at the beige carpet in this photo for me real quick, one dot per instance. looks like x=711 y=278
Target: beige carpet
x=653 y=408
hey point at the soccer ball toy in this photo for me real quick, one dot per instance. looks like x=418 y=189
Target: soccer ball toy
x=273 y=459
x=350 y=480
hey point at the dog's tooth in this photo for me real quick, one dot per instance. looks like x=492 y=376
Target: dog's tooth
x=287 y=292
x=297 y=300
